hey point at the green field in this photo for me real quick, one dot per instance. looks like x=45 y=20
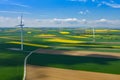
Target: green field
x=104 y=65
x=11 y=62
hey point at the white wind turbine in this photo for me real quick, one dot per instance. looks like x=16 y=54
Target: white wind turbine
x=21 y=26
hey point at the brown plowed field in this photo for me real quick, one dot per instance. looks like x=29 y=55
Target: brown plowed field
x=48 y=73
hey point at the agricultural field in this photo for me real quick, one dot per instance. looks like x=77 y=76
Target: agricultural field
x=56 y=49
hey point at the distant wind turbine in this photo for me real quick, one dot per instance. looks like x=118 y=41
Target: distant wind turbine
x=93 y=30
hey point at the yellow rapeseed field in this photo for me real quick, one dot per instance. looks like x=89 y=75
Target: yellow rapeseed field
x=116 y=47
x=29 y=32
x=77 y=36
x=64 y=33
x=30 y=44
x=45 y=35
x=98 y=30
x=102 y=30
x=64 y=40
x=92 y=35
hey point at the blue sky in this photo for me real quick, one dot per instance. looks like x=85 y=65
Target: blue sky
x=61 y=12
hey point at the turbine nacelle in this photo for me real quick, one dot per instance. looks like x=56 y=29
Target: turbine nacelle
x=20 y=25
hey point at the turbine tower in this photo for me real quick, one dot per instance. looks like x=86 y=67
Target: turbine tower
x=21 y=26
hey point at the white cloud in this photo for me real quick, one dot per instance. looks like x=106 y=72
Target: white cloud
x=82 y=0
x=65 y=20
x=103 y=20
x=93 y=0
x=20 y=5
x=9 y=2
x=100 y=4
x=10 y=21
x=15 y=12
x=84 y=20
x=56 y=22
x=84 y=12
x=110 y=3
x=79 y=0
x=113 y=5
x=81 y=12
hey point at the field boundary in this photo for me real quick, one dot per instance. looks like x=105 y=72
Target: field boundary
x=80 y=53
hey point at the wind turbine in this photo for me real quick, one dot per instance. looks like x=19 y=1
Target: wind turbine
x=21 y=26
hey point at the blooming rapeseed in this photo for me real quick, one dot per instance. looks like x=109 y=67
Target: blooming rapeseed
x=30 y=44
x=45 y=35
x=64 y=40
x=78 y=36
x=64 y=33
